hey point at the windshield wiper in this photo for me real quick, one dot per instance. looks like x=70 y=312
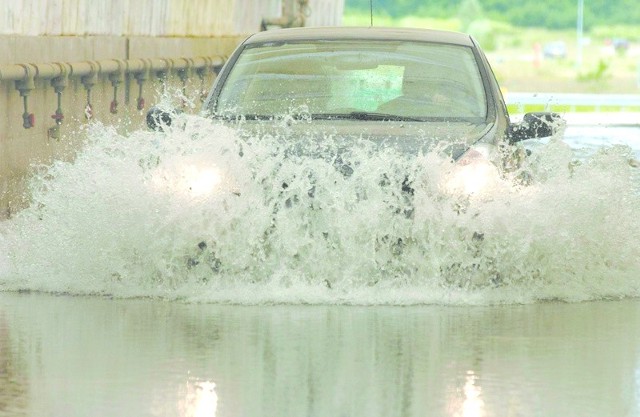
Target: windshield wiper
x=237 y=117
x=355 y=115
x=363 y=115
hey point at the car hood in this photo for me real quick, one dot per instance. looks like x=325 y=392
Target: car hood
x=452 y=137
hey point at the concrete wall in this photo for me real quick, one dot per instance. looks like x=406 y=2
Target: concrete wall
x=21 y=148
x=71 y=31
x=151 y=17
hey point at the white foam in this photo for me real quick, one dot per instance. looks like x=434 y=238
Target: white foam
x=134 y=215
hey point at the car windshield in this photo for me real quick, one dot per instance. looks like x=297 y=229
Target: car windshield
x=354 y=79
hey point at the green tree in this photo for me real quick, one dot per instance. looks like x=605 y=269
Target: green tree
x=559 y=14
x=468 y=12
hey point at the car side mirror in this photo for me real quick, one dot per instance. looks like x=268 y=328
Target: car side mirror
x=535 y=125
x=158 y=119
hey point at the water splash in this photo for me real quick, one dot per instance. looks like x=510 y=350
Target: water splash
x=199 y=214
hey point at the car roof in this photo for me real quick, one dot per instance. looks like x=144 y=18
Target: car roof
x=361 y=33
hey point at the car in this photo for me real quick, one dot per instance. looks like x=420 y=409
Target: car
x=410 y=87
x=555 y=50
x=620 y=45
x=414 y=91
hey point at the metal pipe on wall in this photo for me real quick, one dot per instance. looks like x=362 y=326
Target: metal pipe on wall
x=25 y=75
x=17 y=72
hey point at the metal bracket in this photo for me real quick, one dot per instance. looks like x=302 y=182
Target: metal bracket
x=24 y=86
x=141 y=77
x=59 y=83
x=116 y=79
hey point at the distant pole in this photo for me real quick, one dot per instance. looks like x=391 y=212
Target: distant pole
x=580 y=27
x=371 y=11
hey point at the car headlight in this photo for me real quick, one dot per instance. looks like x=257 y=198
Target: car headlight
x=201 y=182
x=473 y=174
x=191 y=180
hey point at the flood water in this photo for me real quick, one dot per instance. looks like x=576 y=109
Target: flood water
x=86 y=356
x=124 y=291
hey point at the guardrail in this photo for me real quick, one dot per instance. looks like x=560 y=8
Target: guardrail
x=522 y=102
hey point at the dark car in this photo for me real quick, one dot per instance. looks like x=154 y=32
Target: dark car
x=555 y=50
x=317 y=97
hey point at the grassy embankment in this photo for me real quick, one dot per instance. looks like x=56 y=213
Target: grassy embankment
x=512 y=53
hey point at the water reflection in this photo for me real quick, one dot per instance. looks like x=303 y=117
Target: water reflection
x=473 y=405
x=201 y=400
x=80 y=356
x=13 y=383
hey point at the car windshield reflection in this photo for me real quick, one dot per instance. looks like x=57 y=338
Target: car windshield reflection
x=359 y=80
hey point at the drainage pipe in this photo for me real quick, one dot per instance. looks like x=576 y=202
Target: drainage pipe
x=17 y=72
x=25 y=75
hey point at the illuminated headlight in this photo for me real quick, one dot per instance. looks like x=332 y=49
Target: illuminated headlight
x=474 y=174
x=201 y=181
x=192 y=180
